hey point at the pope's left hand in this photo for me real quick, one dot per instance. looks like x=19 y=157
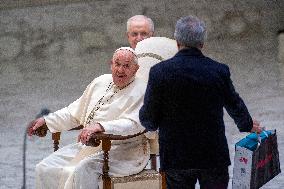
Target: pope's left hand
x=91 y=128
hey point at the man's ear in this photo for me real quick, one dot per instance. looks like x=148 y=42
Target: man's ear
x=178 y=46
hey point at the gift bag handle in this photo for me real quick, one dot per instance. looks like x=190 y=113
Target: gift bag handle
x=259 y=138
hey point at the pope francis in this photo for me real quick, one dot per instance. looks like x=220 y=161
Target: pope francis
x=109 y=104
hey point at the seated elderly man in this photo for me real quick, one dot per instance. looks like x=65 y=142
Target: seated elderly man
x=110 y=104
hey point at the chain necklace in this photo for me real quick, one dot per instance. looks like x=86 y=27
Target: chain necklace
x=97 y=106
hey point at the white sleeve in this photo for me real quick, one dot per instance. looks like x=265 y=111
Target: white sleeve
x=70 y=116
x=122 y=127
x=60 y=120
x=128 y=122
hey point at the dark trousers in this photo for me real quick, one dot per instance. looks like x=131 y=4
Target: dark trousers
x=215 y=178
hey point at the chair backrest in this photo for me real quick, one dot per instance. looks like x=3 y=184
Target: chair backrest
x=151 y=51
x=154 y=146
x=154 y=152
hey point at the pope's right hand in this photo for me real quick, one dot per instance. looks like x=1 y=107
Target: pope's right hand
x=34 y=125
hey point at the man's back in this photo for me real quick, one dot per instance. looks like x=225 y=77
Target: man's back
x=193 y=90
x=184 y=100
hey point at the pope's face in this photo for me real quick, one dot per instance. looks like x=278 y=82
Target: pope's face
x=138 y=30
x=123 y=68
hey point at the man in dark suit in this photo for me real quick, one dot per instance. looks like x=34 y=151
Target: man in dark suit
x=184 y=99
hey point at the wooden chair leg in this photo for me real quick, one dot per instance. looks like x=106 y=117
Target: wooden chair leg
x=56 y=138
x=106 y=145
x=164 y=184
x=153 y=161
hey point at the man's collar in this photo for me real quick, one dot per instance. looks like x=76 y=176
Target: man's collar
x=189 y=51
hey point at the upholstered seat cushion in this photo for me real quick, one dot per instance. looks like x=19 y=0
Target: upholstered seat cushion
x=147 y=179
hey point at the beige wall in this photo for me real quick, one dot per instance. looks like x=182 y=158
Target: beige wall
x=281 y=58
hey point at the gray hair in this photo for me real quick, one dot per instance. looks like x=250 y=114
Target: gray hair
x=140 y=17
x=190 y=31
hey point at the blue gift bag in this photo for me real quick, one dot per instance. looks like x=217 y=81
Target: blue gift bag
x=256 y=160
x=252 y=140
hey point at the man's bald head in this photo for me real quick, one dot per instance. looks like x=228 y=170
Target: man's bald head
x=139 y=27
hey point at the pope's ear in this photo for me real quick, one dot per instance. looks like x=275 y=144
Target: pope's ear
x=136 y=68
x=127 y=35
x=111 y=62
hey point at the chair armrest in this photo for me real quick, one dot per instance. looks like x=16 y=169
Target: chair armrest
x=96 y=138
x=77 y=128
x=41 y=131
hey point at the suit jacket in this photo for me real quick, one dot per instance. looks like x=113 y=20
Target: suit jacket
x=184 y=100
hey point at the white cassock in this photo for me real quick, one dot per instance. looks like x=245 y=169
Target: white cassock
x=118 y=112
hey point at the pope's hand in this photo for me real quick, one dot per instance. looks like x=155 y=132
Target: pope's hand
x=92 y=128
x=34 y=125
